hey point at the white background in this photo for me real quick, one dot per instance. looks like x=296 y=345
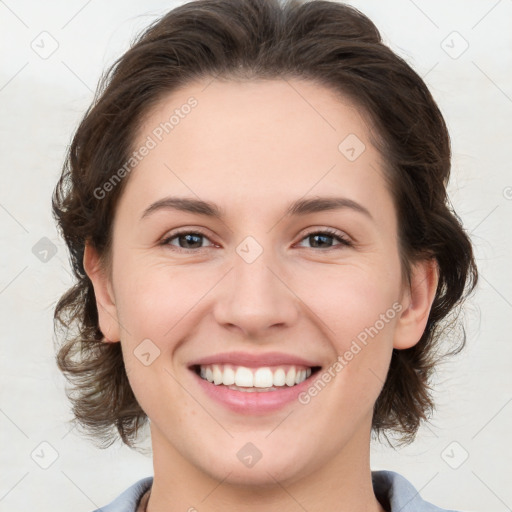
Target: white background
x=42 y=100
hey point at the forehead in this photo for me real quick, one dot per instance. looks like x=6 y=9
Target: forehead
x=241 y=117
x=260 y=140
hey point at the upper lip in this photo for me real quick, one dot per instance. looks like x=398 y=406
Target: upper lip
x=254 y=360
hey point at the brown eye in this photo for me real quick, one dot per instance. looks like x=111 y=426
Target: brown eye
x=186 y=240
x=321 y=239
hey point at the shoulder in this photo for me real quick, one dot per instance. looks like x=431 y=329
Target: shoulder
x=393 y=489
x=128 y=500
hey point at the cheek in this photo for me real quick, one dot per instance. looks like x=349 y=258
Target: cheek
x=360 y=310
x=154 y=306
x=153 y=298
x=354 y=298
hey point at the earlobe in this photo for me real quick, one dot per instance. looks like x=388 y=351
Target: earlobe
x=417 y=304
x=107 y=311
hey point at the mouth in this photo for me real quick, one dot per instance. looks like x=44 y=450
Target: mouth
x=253 y=384
x=255 y=379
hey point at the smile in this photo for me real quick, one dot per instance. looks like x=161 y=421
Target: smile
x=253 y=390
x=264 y=378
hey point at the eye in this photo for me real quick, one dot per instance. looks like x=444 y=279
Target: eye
x=322 y=238
x=190 y=240
x=186 y=240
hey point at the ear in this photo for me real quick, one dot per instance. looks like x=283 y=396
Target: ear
x=107 y=311
x=417 y=302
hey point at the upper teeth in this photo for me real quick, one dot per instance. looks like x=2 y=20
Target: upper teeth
x=264 y=377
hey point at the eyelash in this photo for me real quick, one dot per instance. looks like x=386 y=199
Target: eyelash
x=343 y=241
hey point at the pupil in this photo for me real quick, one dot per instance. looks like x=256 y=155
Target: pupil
x=191 y=236
x=316 y=237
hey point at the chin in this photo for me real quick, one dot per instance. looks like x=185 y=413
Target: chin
x=261 y=477
x=263 y=473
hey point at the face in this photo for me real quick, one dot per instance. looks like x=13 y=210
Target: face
x=261 y=290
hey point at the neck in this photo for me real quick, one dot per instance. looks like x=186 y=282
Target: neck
x=344 y=484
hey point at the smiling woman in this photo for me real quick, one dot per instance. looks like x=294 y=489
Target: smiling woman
x=201 y=238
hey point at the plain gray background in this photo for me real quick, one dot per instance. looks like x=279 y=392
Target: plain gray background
x=52 y=56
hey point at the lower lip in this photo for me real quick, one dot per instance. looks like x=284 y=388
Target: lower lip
x=254 y=402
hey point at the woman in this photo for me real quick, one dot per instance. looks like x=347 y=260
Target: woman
x=256 y=212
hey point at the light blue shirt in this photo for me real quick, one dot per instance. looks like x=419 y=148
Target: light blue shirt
x=389 y=487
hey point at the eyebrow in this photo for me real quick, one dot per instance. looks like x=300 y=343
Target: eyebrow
x=297 y=208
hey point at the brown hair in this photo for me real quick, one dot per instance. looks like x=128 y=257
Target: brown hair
x=327 y=42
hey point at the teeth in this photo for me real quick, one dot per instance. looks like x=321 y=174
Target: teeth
x=290 y=377
x=244 y=377
x=217 y=375
x=279 y=377
x=265 y=378
x=228 y=376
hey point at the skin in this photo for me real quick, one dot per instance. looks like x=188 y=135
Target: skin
x=254 y=147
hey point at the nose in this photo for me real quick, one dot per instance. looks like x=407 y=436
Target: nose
x=255 y=297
